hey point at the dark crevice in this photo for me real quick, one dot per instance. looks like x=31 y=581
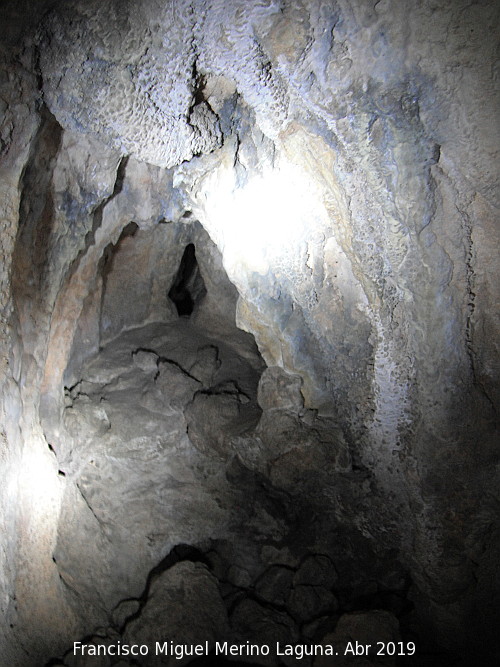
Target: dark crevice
x=164 y=360
x=198 y=96
x=188 y=288
x=180 y=553
x=199 y=81
x=98 y=213
x=228 y=388
x=88 y=505
x=36 y=210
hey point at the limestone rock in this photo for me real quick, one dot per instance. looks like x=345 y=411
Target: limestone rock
x=308 y=602
x=333 y=169
x=206 y=365
x=145 y=85
x=365 y=628
x=256 y=623
x=275 y=584
x=278 y=389
x=212 y=418
x=123 y=611
x=146 y=361
x=175 y=383
x=183 y=606
x=316 y=570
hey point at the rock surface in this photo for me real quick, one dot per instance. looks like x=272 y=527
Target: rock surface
x=184 y=606
x=321 y=427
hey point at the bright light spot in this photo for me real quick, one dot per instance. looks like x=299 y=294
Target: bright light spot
x=264 y=223
x=37 y=478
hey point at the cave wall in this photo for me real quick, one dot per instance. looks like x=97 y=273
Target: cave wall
x=343 y=157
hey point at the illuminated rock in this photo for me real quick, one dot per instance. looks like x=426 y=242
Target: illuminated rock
x=249 y=303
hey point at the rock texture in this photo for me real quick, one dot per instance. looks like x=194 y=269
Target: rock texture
x=249 y=324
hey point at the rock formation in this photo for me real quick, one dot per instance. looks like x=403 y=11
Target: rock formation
x=249 y=329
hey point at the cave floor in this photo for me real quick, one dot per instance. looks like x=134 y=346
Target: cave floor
x=172 y=525
x=143 y=486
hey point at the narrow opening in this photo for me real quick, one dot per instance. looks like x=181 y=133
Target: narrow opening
x=188 y=288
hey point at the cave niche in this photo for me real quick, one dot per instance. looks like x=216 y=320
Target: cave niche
x=188 y=288
x=153 y=401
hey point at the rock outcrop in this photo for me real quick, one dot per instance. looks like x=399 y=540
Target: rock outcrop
x=249 y=325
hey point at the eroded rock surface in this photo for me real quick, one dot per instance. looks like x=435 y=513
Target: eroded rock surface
x=176 y=437
x=142 y=484
x=249 y=305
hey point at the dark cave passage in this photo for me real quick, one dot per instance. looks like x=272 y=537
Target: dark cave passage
x=188 y=288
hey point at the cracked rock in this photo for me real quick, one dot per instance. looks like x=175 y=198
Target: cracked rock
x=184 y=606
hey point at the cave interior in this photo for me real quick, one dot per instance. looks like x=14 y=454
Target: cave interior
x=249 y=332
